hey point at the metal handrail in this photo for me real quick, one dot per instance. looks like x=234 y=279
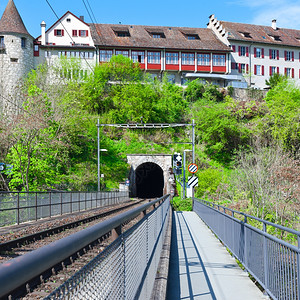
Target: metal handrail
x=16 y=272
x=213 y=205
x=29 y=206
x=274 y=263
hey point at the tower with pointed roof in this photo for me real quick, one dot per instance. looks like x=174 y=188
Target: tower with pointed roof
x=16 y=56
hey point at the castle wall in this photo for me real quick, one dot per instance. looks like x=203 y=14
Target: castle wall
x=16 y=61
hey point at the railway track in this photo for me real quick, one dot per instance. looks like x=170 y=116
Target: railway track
x=49 y=279
x=11 y=247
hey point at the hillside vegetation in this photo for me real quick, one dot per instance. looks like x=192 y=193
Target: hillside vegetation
x=248 y=152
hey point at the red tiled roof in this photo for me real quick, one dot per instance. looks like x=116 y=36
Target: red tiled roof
x=141 y=37
x=262 y=34
x=11 y=20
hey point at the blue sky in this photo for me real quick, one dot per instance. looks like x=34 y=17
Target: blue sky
x=192 y=13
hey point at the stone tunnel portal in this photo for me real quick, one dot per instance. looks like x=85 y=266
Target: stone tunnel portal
x=149 y=181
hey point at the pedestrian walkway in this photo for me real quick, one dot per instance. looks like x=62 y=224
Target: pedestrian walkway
x=200 y=266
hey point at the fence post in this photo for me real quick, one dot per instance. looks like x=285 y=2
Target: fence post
x=18 y=209
x=298 y=267
x=50 y=204
x=36 y=207
x=266 y=271
x=61 y=204
x=71 y=204
x=245 y=242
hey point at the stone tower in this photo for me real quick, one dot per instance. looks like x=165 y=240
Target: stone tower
x=16 y=57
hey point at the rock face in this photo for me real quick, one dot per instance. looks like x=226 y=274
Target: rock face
x=16 y=56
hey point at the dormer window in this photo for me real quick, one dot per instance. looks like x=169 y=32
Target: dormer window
x=192 y=36
x=158 y=35
x=246 y=34
x=276 y=38
x=124 y=33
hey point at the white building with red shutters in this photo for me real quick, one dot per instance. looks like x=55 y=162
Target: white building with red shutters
x=260 y=51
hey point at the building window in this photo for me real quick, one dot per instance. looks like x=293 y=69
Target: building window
x=122 y=33
x=203 y=59
x=243 y=51
x=2 y=45
x=58 y=32
x=219 y=60
x=125 y=53
x=74 y=33
x=171 y=78
x=257 y=70
x=188 y=58
x=172 y=58
x=192 y=36
x=289 y=72
x=289 y=55
x=154 y=57
x=69 y=20
x=48 y=54
x=274 y=70
x=105 y=55
x=157 y=35
x=83 y=33
x=36 y=47
x=259 y=52
x=274 y=54
x=23 y=42
x=243 y=68
x=138 y=56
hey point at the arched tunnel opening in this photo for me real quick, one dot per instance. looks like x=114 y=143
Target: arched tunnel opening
x=149 y=181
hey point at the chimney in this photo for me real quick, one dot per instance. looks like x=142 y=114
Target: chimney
x=43 y=29
x=274 y=25
x=81 y=18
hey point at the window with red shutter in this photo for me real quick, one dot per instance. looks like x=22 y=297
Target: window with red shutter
x=277 y=70
x=292 y=55
x=239 y=50
x=262 y=53
x=262 y=70
x=247 y=51
x=254 y=52
x=271 y=71
x=277 y=54
x=233 y=48
x=255 y=70
x=285 y=53
x=247 y=68
x=293 y=73
x=240 y=68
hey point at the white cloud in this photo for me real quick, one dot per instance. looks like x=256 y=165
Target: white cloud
x=286 y=12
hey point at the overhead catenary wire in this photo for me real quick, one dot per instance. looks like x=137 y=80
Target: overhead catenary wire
x=92 y=17
x=51 y=7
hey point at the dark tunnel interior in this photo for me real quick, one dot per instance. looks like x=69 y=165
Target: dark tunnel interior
x=149 y=181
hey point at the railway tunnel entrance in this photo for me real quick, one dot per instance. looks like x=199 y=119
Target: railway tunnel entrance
x=149 y=181
x=150 y=175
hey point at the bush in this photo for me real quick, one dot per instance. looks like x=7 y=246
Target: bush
x=182 y=204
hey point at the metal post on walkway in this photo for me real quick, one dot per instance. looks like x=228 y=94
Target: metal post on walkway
x=98 y=152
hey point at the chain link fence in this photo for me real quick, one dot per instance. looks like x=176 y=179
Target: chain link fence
x=126 y=269
x=274 y=263
x=19 y=207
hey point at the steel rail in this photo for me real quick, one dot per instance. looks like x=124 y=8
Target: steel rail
x=18 y=271
x=7 y=246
